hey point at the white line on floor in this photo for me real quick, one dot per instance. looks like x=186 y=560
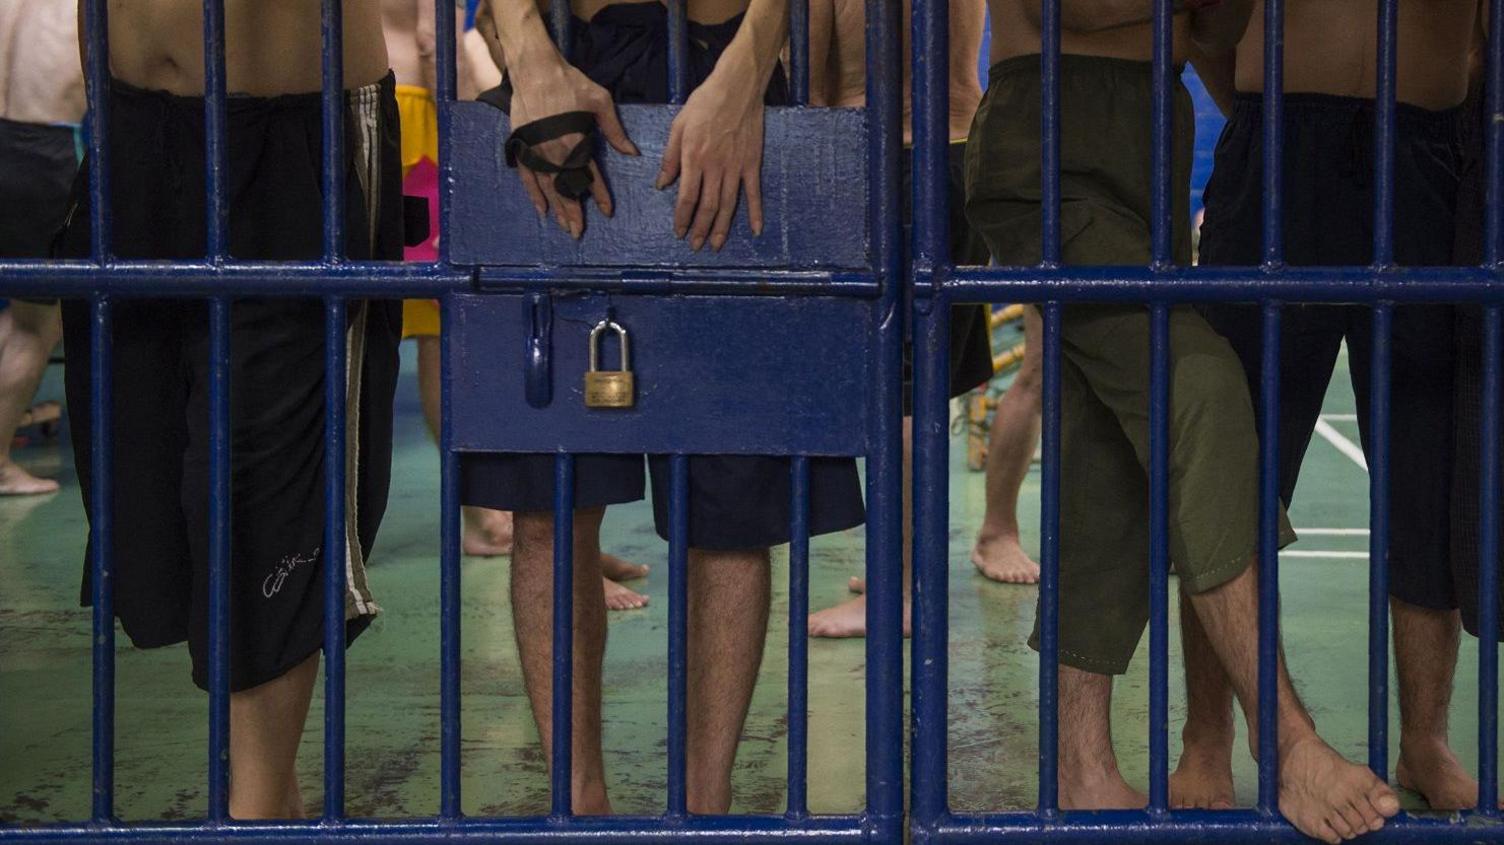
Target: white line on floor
x=1345 y=555
x=1340 y=417
x=1332 y=532
x=1345 y=446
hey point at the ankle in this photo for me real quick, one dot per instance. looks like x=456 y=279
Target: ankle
x=1424 y=745
x=1209 y=739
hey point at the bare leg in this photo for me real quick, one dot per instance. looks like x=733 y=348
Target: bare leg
x=487 y=532
x=849 y=618
x=28 y=332
x=1425 y=652
x=728 y=624
x=1204 y=777
x=1089 y=776
x=266 y=725
x=532 y=616
x=1322 y=794
x=1015 y=430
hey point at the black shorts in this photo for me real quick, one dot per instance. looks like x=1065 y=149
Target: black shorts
x=37 y=165
x=1328 y=221
x=970 y=326
x=1466 y=481
x=736 y=501
x=161 y=399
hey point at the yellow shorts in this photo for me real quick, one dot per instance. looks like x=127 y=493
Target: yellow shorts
x=420 y=140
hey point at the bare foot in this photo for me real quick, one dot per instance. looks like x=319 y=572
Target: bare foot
x=15 y=481
x=1003 y=560
x=1203 y=779
x=1100 y=791
x=488 y=533
x=619 y=570
x=622 y=598
x=1328 y=797
x=849 y=618
x=1432 y=770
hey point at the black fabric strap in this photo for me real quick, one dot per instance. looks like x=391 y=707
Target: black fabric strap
x=572 y=175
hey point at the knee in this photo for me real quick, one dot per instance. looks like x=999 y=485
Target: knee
x=1211 y=391
x=42 y=323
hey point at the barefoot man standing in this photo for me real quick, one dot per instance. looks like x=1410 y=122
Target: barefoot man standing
x=1106 y=88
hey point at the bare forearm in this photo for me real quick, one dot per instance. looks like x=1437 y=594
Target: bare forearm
x=755 y=50
x=1218 y=29
x=1217 y=73
x=520 y=32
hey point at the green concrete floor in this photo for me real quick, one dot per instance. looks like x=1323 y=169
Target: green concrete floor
x=393 y=709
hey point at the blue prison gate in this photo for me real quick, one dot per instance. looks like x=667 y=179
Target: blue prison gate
x=771 y=297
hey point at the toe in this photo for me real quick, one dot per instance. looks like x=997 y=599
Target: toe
x=1383 y=800
x=1340 y=826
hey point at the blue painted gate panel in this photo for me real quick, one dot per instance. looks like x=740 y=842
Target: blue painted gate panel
x=765 y=391
x=814 y=198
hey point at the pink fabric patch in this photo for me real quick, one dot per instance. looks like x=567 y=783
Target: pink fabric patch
x=423 y=181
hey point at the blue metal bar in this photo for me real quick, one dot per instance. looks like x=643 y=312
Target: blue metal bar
x=1049 y=131
x=1162 y=118
x=447 y=78
x=1139 y=827
x=929 y=780
x=1274 y=128
x=799 y=51
x=1488 y=572
x=1269 y=506
x=678 y=632
x=97 y=77
x=1383 y=134
x=1494 y=137
x=562 y=18
x=449 y=582
x=798 y=764
x=394 y=280
x=101 y=554
x=678 y=51
x=219 y=558
x=562 y=689
x=216 y=141
x=1185 y=285
x=336 y=366
x=333 y=25
x=884 y=681
x=1049 y=567
x=582 y=830
x=1378 y=539
x=1159 y=557
x=930 y=57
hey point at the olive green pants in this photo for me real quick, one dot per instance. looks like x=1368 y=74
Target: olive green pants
x=1105 y=187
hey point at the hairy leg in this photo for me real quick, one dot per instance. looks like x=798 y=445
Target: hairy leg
x=728 y=624
x=28 y=332
x=266 y=726
x=532 y=616
x=1204 y=777
x=1015 y=431
x=1089 y=776
x=1425 y=659
x=1322 y=794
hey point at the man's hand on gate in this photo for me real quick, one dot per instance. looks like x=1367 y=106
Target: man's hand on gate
x=715 y=148
x=554 y=87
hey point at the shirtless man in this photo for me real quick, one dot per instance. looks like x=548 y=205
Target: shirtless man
x=409 y=28
x=1106 y=85
x=160 y=413
x=41 y=101
x=1330 y=51
x=740 y=505
x=838 y=77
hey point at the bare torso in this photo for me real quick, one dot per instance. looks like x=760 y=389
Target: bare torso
x=40 y=77
x=1331 y=47
x=272 y=46
x=703 y=11
x=839 y=28
x=399 y=21
x=1015 y=32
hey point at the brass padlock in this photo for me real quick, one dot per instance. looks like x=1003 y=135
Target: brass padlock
x=613 y=388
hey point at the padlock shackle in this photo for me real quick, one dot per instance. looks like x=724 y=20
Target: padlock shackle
x=595 y=345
